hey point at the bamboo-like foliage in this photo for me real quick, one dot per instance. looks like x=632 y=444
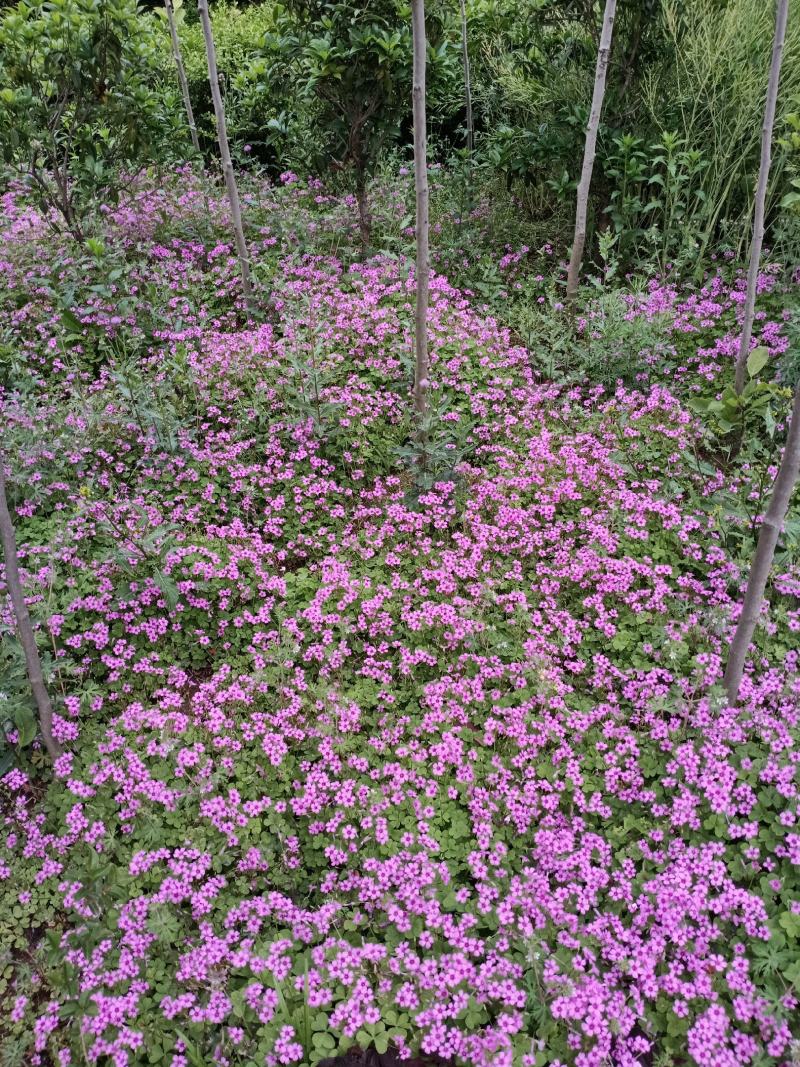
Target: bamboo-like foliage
x=422 y=223
x=184 y=84
x=23 y=620
x=225 y=153
x=718 y=106
x=781 y=17
x=579 y=239
x=768 y=535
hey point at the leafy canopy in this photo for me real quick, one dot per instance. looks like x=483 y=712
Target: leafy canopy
x=356 y=61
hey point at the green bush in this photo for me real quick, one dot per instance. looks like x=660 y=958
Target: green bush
x=355 y=64
x=79 y=103
x=657 y=198
x=254 y=113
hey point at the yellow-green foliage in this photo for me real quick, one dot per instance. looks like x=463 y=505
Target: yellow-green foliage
x=238 y=33
x=238 y=36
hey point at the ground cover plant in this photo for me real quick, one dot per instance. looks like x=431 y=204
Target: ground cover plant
x=353 y=760
x=400 y=589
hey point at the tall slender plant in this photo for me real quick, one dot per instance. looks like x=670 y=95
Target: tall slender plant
x=184 y=84
x=225 y=153
x=771 y=527
x=467 y=79
x=422 y=224
x=781 y=18
x=719 y=107
x=579 y=239
x=23 y=620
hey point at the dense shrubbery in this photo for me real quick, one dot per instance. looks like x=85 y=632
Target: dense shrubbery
x=276 y=135
x=678 y=148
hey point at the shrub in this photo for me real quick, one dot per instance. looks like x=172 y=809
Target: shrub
x=356 y=64
x=238 y=32
x=76 y=84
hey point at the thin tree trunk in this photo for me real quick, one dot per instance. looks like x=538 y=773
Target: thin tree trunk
x=467 y=79
x=771 y=527
x=23 y=620
x=184 y=84
x=579 y=240
x=225 y=153
x=781 y=17
x=364 y=215
x=422 y=225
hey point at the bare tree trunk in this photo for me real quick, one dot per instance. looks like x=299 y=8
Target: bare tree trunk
x=781 y=17
x=422 y=225
x=579 y=240
x=225 y=153
x=364 y=215
x=467 y=79
x=771 y=527
x=23 y=620
x=176 y=52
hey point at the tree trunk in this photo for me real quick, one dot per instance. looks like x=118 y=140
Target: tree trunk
x=771 y=527
x=364 y=215
x=23 y=620
x=579 y=240
x=225 y=153
x=467 y=79
x=422 y=226
x=781 y=16
x=176 y=52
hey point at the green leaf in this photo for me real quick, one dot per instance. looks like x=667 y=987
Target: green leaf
x=323 y=1041
x=27 y=727
x=168 y=588
x=70 y=320
x=790 y=922
x=757 y=360
x=793 y=198
x=769 y=422
x=792 y=974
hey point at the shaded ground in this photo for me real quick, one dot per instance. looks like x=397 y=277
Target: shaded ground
x=370 y=1058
